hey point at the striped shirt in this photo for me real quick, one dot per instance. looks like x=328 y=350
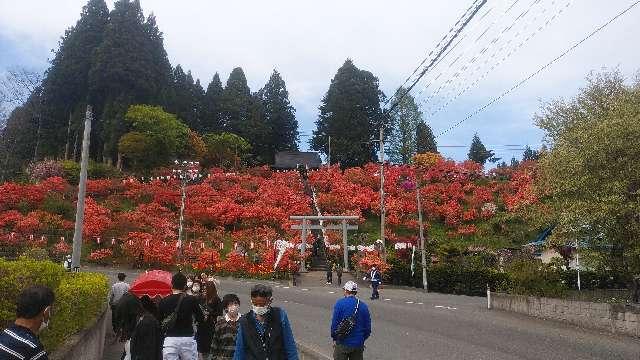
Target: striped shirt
x=224 y=338
x=19 y=343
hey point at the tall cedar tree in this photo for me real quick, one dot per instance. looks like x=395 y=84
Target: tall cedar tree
x=212 y=106
x=66 y=83
x=279 y=116
x=404 y=122
x=425 y=140
x=350 y=113
x=236 y=103
x=130 y=67
x=188 y=99
x=478 y=152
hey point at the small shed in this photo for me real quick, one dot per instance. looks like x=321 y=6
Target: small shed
x=286 y=160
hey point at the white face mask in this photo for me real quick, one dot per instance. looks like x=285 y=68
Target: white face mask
x=260 y=310
x=195 y=288
x=189 y=283
x=45 y=324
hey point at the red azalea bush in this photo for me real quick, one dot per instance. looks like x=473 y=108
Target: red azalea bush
x=101 y=256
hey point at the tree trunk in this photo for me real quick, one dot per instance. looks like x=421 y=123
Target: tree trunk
x=66 y=146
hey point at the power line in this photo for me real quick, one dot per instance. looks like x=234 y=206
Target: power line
x=439 y=54
x=479 y=110
x=451 y=30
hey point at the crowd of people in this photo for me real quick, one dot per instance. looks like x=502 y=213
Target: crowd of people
x=193 y=322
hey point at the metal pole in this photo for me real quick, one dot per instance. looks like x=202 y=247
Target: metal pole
x=303 y=248
x=578 y=263
x=345 y=245
x=425 y=284
x=382 y=211
x=181 y=228
x=329 y=154
x=82 y=188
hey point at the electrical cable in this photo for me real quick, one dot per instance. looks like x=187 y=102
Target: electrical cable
x=523 y=81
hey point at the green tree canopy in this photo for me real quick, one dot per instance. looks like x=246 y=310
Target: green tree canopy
x=236 y=101
x=590 y=175
x=350 y=114
x=167 y=136
x=225 y=150
x=425 y=140
x=405 y=120
x=478 y=152
x=279 y=116
x=212 y=106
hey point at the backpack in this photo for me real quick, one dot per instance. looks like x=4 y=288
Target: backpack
x=169 y=322
x=347 y=324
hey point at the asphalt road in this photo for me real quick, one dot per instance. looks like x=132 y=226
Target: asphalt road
x=412 y=325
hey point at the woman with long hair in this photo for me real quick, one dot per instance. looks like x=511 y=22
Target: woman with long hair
x=212 y=308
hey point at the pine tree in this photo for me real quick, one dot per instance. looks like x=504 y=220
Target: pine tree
x=279 y=116
x=529 y=154
x=425 y=140
x=478 y=152
x=404 y=120
x=188 y=99
x=236 y=100
x=350 y=113
x=66 y=82
x=212 y=106
x=130 y=65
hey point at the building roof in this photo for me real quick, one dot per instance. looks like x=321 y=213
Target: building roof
x=291 y=159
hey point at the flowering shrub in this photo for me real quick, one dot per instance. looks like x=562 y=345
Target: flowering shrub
x=368 y=260
x=61 y=248
x=44 y=170
x=101 y=256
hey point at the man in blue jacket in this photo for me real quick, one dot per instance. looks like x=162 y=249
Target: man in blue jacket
x=350 y=347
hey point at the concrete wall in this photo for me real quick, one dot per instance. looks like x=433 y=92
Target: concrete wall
x=86 y=345
x=616 y=318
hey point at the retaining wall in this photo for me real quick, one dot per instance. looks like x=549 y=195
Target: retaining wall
x=88 y=344
x=616 y=318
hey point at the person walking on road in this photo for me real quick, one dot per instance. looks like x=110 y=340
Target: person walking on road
x=350 y=325
x=117 y=290
x=211 y=308
x=33 y=312
x=264 y=332
x=223 y=344
x=376 y=280
x=339 y=274
x=146 y=337
x=179 y=342
x=329 y=274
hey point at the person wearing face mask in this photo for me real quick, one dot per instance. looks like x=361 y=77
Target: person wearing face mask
x=264 y=332
x=223 y=344
x=349 y=340
x=33 y=312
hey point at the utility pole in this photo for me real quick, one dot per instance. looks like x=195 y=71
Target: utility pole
x=329 y=154
x=82 y=188
x=382 y=210
x=425 y=284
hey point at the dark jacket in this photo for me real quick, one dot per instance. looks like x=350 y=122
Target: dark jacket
x=189 y=309
x=270 y=345
x=146 y=340
x=205 y=329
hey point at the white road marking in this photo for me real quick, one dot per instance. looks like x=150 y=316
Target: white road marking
x=285 y=287
x=332 y=292
x=387 y=299
x=439 y=306
x=446 y=307
x=409 y=302
x=420 y=303
x=305 y=289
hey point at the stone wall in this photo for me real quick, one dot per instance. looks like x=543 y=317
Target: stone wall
x=86 y=345
x=616 y=318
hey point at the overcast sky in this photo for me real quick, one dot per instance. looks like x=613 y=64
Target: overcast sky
x=307 y=41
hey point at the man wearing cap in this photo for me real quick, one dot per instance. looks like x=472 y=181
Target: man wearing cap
x=351 y=346
x=117 y=290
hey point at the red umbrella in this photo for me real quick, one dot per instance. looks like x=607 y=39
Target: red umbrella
x=152 y=283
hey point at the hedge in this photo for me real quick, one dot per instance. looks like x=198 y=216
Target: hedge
x=15 y=276
x=80 y=297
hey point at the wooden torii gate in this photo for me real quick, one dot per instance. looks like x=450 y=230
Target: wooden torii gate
x=306 y=226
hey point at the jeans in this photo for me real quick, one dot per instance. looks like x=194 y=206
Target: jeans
x=183 y=348
x=341 y=352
